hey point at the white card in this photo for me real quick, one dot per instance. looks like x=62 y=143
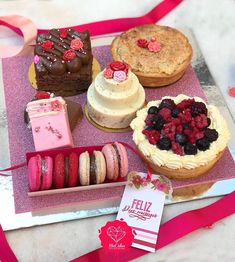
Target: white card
x=141 y=208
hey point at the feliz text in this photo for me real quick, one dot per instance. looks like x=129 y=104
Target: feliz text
x=139 y=209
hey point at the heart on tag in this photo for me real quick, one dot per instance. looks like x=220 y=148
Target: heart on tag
x=116 y=233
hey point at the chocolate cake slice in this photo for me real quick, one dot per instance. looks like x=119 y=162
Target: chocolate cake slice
x=63 y=62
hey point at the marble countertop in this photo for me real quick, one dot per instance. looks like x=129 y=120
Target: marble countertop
x=212 y=22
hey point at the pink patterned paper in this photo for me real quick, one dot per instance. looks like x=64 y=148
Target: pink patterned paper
x=18 y=93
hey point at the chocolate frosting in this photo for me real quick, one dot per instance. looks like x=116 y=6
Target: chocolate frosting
x=118 y=157
x=51 y=60
x=93 y=179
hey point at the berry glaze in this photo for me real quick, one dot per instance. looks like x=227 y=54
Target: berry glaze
x=180 y=132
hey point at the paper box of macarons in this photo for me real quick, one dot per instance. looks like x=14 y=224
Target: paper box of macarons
x=75 y=169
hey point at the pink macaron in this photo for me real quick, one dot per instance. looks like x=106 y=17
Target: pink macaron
x=40 y=173
x=116 y=160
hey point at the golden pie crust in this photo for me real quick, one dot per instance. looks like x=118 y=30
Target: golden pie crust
x=154 y=69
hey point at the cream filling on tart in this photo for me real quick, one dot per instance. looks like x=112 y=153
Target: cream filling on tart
x=170 y=159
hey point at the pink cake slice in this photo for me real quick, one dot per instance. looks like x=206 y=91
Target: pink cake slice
x=50 y=125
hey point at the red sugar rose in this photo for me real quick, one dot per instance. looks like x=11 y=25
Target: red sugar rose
x=76 y=44
x=63 y=34
x=47 y=44
x=69 y=55
x=118 y=66
x=142 y=43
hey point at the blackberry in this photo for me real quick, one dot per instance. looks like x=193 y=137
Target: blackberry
x=149 y=128
x=164 y=143
x=211 y=134
x=153 y=110
x=208 y=121
x=158 y=122
x=203 y=144
x=175 y=112
x=181 y=139
x=167 y=103
x=186 y=126
x=198 y=108
x=190 y=149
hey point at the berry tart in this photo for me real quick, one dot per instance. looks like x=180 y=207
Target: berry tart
x=115 y=96
x=158 y=55
x=181 y=137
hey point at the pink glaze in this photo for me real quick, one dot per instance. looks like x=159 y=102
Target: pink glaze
x=50 y=125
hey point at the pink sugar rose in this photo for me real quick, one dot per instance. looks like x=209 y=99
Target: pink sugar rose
x=108 y=73
x=154 y=46
x=76 y=44
x=119 y=76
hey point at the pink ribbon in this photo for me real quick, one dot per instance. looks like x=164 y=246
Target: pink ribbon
x=172 y=230
x=6 y=254
x=25 y=27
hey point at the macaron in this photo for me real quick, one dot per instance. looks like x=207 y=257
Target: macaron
x=116 y=160
x=65 y=171
x=92 y=168
x=58 y=174
x=40 y=173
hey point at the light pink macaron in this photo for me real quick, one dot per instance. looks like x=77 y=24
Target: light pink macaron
x=116 y=160
x=40 y=173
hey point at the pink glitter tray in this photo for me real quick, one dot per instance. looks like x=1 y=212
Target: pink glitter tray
x=18 y=93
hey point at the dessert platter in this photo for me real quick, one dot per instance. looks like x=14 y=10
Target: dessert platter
x=87 y=113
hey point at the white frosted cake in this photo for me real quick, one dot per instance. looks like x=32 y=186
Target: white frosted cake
x=115 y=96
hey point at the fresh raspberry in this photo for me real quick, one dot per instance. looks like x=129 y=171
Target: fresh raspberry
x=142 y=43
x=152 y=135
x=171 y=136
x=201 y=121
x=165 y=113
x=42 y=95
x=179 y=129
x=199 y=135
x=198 y=108
x=177 y=149
x=169 y=128
x=192 y=123
x=191 y=139
x=185 y=104
x=169 y=103
x=148 y=119
x=187 y=132
x=176 y=121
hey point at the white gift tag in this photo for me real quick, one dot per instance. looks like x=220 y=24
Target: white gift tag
x=141 y=208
